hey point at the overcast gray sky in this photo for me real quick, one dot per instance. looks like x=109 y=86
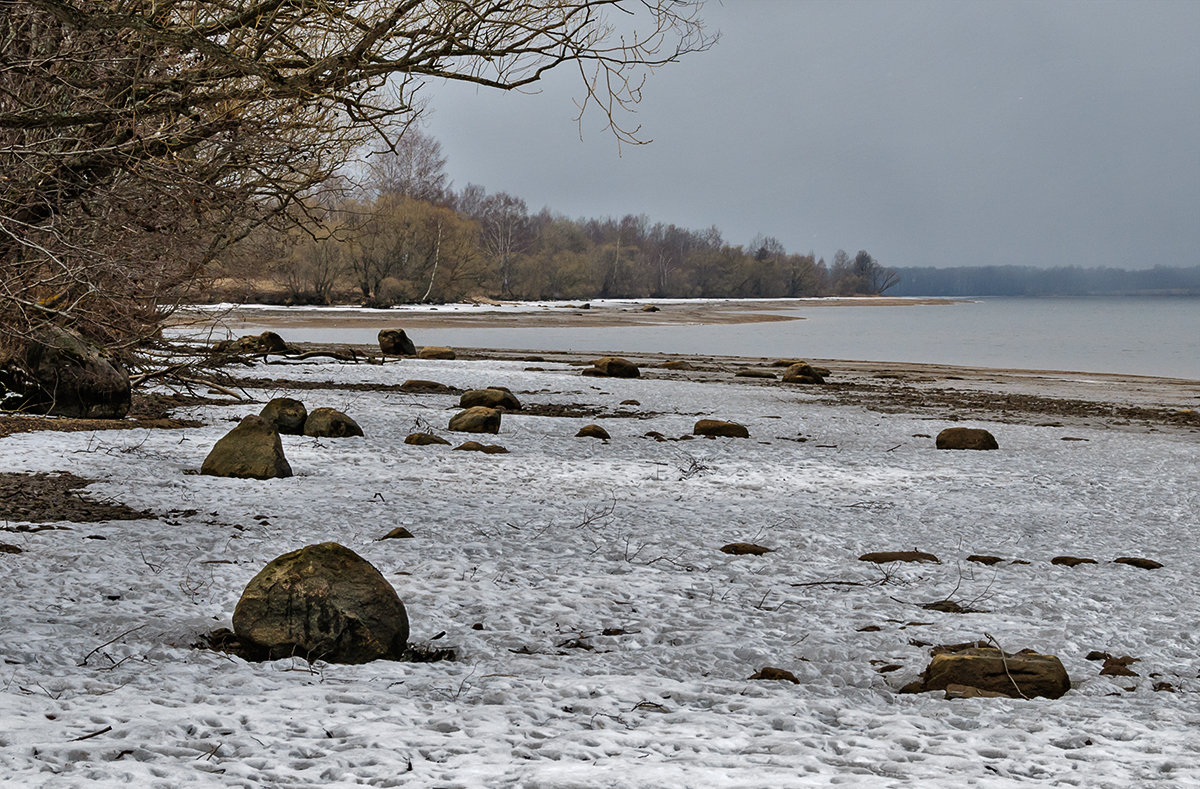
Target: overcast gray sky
x=936 y=133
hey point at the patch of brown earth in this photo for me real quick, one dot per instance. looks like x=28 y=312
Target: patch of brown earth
x=44 y=498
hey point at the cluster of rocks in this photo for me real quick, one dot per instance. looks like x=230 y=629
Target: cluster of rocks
x=251 y=344
x=253 y=449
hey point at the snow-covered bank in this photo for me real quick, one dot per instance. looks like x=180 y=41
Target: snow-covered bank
x=548 y=547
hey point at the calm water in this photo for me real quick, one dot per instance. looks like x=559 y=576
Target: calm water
x=1146 y=336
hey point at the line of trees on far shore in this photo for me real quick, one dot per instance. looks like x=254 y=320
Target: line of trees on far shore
x=403 y=235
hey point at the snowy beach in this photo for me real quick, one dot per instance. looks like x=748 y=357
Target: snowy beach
x=602 y=637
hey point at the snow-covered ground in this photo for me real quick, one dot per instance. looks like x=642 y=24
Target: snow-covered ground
x=525 y=559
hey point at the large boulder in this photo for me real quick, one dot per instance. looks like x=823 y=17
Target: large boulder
x=330 y=423
x=286 y=414
x=492 y=397
x=966 y=438
x=614 y=367
x=717 y=427
x=322 y=602
x=394 y=342
x=252 y=450
x=58 y=372
x=477 y=419
x=1024 y=674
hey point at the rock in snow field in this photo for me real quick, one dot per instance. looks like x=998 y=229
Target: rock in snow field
x=602 y=637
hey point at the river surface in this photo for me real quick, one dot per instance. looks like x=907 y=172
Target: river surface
x=1132 y=335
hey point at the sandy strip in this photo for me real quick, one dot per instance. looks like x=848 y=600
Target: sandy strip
x=599 y=314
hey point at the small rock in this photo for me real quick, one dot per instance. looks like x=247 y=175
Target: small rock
x=630 y=402
x=330 y=423
x=744 y=549
x=965 y=438
x=751 y=373
x=983 y=558
x=717 y=427
x=883 y=557
x=436 y=352
x=431 y=387
x=10 y=548
x=592 y=431
x=1071 y=561
x=424 y=439
x=649 y=308
x=802 y=373
x=487 y=449
x=477 y=419
x=1118 y=667
x=770 y=672
x=1134 y=561
x=398 y=533
x=677 y=364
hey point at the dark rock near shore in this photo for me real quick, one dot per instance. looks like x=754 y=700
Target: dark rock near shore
x=771 y=672
x=966 y=438
x=394 y=342
x=252 y=450
x=753 y=373
x=286 y=414
x=436 y=352
x=802 y=373
x=592 y=431
x=267 y=342
x=322 y=602
x=614 y=367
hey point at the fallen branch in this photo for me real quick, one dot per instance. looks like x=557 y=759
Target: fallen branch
x=105 y=730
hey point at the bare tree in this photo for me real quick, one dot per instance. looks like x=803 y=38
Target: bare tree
x=140 y=138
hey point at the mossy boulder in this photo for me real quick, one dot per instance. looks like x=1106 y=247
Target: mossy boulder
x=477 y=419
x=330 y=423
x=286 y=414
x=491 y=397
x=322 y=602
x=252 y=450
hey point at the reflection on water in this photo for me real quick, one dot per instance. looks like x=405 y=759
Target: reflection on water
x=1146 y=336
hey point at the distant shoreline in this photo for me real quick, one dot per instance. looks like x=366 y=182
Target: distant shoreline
x=604 y=313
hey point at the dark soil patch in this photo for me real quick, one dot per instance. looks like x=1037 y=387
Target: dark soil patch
x=580 y=411
x=44 y=498
x=955 y=404
x=225 y=640
x=341 y=386
x=146 y=411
